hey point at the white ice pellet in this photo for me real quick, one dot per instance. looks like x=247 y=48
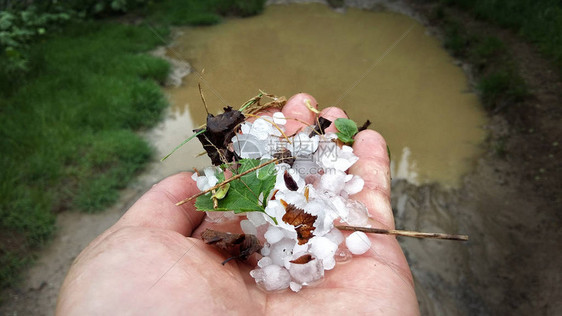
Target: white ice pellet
x=304 y=146
x=265 y=250
x=329 y=263
x=248 y=227
x=287 y=262
x=322 y=247
x=292 y=197
x=208 y=180
x=342 y=254
x=219 y=217
x=324 y=216
x=308 y=272
x=272 y=277
x=279 y=118
x=264 y=262
x=332 y=180
x=337 y=158
x=256 y=218
x=338 y=205
x=248 y=146
x=280 y=250
x=203 y=183
x=261 y=129
x=354 y=185
x=210 y=172
x=273 y=234
x=335 y=236
x=306 y=167
x=300 y=248
x=358 y=243
x=358 y=215
x=291 y=234
x=295 y=287
x=246 y=127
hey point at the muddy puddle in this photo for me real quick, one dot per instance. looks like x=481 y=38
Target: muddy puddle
x=380 y=66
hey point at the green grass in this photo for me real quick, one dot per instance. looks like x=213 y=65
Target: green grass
x=501 y=88
x=538 y=21
x=68 y=125
x=66 y=130
x=498 y=81
x=181 y=12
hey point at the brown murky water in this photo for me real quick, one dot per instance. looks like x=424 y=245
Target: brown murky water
x=414 y=94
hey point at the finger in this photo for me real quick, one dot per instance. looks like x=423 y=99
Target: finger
x=298 y=113
x=374 y=167
x=267 y=112
x=157 y=207
x=332 y=113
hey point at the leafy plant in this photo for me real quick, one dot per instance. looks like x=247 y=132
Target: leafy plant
x=247 y=194
x=19 y=29
x=346 y=130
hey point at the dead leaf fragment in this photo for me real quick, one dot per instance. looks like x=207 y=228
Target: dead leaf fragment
x=240 y=246
x=218 y=134
x=290 y=182
x=285 y=156
x=303 y=222
x=320 y=126
x=303 y=259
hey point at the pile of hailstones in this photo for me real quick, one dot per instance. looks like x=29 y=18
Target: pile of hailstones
x=321 y=168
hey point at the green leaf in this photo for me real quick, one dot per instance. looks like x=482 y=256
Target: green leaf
x=346 y=130
x=244 y=193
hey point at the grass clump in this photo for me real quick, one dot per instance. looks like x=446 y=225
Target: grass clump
x=538 y=21
x=498 y=81
x=200 y=12
x=66 y=129
x=68 y=122
x=500 y=88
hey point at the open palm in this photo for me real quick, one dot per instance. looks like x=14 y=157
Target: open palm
x=151 y=261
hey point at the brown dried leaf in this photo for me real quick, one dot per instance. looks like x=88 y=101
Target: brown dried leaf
x=285 y=156
x=240 y=246
x=320 y=126
x=218 y=134
x=303 y=222
x=303 y=259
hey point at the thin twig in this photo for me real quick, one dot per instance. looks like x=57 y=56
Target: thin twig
x=203 y=98
x=251 y=101
x=300 y=128
x=227 y=181
x=405 y=233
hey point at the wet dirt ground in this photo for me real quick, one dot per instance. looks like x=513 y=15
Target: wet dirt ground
x=510 y=265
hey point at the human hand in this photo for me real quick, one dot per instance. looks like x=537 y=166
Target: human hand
x=151 y=261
